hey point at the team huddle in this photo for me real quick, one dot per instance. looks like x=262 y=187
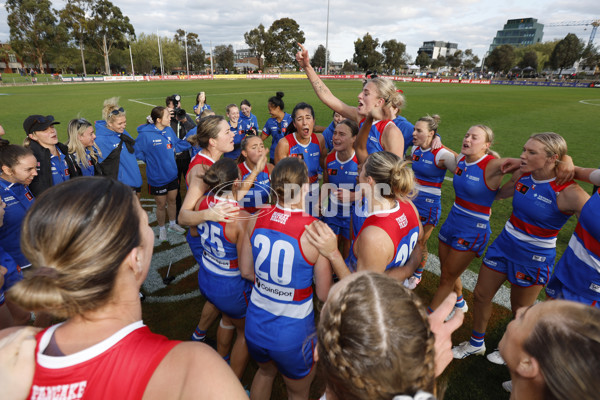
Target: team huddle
x=356 y=201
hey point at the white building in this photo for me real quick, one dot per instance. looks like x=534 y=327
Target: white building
x=436 y=48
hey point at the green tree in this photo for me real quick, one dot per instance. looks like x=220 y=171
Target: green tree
x=349 y=67
x=501 y=59
x=196 y=55
x=108 y=29
x=529 y=59
x=455 y=60
x=590 y=56
x=318 y=59
x=172 y=54
x=423 y=60
x=145 y=53
x=282 y=45
x=224 y=57
x=257 y=40
x=439 y=63
x=33 y=28
x=73 y=21
x=366 y=55
x=470 y=60
x=566 y=52
x=394 y=53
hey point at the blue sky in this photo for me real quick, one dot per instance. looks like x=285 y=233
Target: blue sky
x=470 y=23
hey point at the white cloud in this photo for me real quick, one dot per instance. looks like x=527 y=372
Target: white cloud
x=470 y=23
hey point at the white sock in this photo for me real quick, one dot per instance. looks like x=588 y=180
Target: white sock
x=172 y=223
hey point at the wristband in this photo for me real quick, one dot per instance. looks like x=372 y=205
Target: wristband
x=595 y=177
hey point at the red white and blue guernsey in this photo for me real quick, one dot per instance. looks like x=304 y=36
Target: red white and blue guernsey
x=374 y=141
x=429 y=177
x=119 y=367
x=258 y=195
x=401 y=224
x=428 y=174
x=198 y=159
x=473 y=196
x=341 y=175
x=219 y=276
x=531 y=231
x=467 y=227
x=309 y=153
x=280 y=314
x=579 y=268
x=194 y=241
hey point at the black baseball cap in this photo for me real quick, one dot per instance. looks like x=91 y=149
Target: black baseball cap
x=35 y=123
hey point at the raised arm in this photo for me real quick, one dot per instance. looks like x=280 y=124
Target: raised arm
x=360 y=144
x=323 y=91
x=249 y=181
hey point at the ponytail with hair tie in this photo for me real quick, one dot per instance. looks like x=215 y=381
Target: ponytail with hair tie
x=46 y=271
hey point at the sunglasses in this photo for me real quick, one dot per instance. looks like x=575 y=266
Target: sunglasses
x=44 y=120
x=82 y=122
x=117 y=111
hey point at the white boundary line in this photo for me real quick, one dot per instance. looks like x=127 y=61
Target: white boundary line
x=590 y=104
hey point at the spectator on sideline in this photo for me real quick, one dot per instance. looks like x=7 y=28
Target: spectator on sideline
x=201 y=105
x=117 y=146
x=82 y=148
x=181 y=123
x=157 y=145
x=54 y=164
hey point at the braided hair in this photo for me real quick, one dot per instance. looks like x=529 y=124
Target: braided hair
x=375 y=341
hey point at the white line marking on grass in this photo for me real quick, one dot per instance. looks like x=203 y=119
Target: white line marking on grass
x=469 y=279
x=180 y=250
x=141 y=102
x=152 y=105
x=596 y=102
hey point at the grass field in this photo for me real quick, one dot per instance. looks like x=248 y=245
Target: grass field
x=513 y=113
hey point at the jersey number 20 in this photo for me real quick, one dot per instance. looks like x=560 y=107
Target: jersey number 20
x=279 y=271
